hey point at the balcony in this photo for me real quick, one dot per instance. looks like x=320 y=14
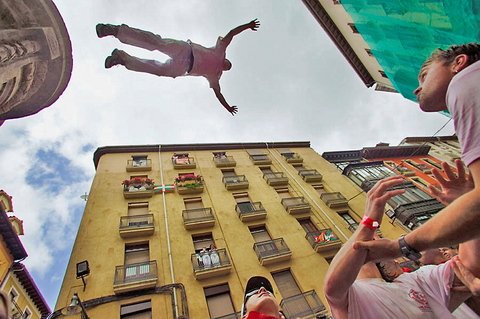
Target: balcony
x=260 y=159
x=276 y=179
x=250 y=211
x=135 y=277
x=212 y=263
x=323 y=240
x=404 y=171
x=225 y=161
x=184 y=163
x=235 y=182
x=292 y=158
x=310 y=175
x=304 y=305
x=139 y=165
x=198 y=218
x=272 y=251
x=296 y=205
x=138 y=225
x=334 y=200
x=189 y=184
x=137 y=187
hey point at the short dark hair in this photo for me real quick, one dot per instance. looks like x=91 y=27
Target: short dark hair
x=447 y=56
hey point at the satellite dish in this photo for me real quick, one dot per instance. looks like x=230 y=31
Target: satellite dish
x=84 y=196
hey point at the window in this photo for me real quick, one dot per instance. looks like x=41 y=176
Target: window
x=307 y=225
x=259 y=233
x=320 y=189
x=421 y=182
x=139 y=310
x=13 y=294
x=26 y=314
x=353 y=27
x=369 y=52
x=433 y=163
x=228 y=172
x=266 y=170
x=180 y=158
x=202 y=241
x=136 y=209
x=348 y=219
x=286 y=284
x=193 y=203
x=243 y=202
x=284 y=192
x=139 y=160
x=219 y=301
x=137 y=260
x=382 y=73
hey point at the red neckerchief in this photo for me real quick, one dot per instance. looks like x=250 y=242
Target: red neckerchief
x=257 y=315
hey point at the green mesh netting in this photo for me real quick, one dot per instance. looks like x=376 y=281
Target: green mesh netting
x=403 y=34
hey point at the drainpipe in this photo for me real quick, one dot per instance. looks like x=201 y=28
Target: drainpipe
x=167 y=233
x=305 y=191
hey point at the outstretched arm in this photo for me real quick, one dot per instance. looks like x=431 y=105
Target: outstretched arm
x=254 y=24
x=221 y=99
x=456 y=223
x=347 y=262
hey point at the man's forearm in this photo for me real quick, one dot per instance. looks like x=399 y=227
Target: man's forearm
x=346 y=265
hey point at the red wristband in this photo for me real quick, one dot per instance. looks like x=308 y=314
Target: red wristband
x=370 y=223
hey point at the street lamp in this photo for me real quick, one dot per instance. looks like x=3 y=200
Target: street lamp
x=75 y=307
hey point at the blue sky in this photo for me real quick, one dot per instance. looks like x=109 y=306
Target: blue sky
x=288 y=80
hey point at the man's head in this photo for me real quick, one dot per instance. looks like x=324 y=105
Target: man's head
x=259 y=297
x=227 y=65
x=437 y=72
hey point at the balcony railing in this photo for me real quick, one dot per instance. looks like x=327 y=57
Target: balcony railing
x=250 y=211
x=292 y=158
x=323 y=240
x=137 y=225
x=296 y=205
x=190 y=187
x=310 y=175
x=198 y=218
x=272 y=251
x=17 y=313
x=306 y=304
x=139 y=165
x=260 y=159
x=211 y=263
x=334 y=200
x=235 y=182
x=135 y=277
x=226 y=161
x=184 y=162
x=275 y=178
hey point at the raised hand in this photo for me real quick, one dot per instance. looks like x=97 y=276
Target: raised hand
x=254 y=25
x=454 y=186
x=233 y=109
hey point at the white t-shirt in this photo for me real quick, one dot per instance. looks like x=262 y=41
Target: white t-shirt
x=208 y=62
x=463 y=102
x=423 y=294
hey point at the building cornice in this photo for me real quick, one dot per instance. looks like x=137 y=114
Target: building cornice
x=191 y=147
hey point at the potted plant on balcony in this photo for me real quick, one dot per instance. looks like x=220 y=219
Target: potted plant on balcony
x=189 y=181
x=137 y=184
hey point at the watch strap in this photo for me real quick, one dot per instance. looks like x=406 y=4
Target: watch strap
x=408 y=251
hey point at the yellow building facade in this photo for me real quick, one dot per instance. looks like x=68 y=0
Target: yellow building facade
x=26 y=300
x=172 y=230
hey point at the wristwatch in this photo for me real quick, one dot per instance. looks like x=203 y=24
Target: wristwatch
x=408 y=251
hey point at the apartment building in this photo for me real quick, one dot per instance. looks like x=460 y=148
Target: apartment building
x=171 y=230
